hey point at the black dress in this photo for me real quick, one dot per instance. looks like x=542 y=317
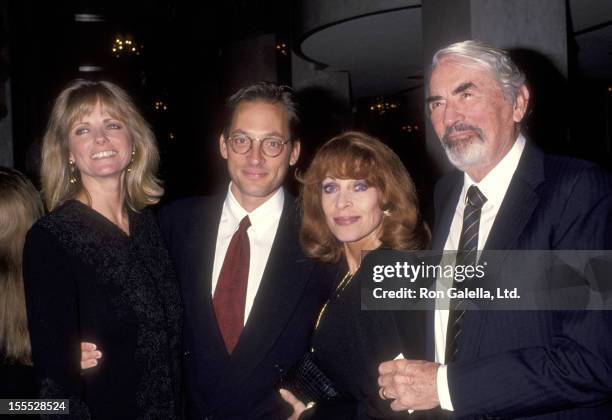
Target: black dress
x=86 y=280
x=348 y=345
x=16 y=380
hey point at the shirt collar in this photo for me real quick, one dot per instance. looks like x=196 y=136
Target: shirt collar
x=495 y=184
x=262 y=218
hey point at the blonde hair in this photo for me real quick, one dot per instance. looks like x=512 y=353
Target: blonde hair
x=20 y=207
x=77 y=100
x=357 y=155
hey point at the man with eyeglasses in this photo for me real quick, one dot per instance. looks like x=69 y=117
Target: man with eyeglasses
x=250 y=295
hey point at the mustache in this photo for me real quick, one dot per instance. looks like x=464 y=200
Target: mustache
x=457 y=128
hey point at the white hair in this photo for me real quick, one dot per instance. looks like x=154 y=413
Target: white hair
x=494 y=60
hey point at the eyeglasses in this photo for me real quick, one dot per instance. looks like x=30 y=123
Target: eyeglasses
x=270 y=146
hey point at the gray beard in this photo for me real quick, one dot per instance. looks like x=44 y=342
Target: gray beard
x=465 y=152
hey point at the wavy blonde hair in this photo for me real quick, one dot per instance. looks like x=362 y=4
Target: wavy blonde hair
x=357 y=155
x=76 y=101
x=20 y=207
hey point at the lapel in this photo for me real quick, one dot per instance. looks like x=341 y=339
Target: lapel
x=445 y=205
x=446 y=199
x=516 y=209
x=198 y=258
x=520 y=201
x=282 y=285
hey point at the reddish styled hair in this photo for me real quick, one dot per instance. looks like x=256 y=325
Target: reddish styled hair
x=357 y=155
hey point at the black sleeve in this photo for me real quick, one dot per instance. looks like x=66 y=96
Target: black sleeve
x=53 y=318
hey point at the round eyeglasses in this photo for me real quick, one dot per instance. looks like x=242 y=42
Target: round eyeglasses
x=270 y=146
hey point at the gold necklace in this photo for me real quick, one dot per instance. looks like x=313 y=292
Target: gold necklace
x=337 y=291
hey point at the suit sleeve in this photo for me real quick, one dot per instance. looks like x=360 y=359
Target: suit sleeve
x=53 y=319
x=575 y=369
x=586 y=221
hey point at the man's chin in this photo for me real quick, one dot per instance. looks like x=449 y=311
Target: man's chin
x=465 y=157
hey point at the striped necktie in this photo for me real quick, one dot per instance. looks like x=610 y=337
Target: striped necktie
x=466 y=255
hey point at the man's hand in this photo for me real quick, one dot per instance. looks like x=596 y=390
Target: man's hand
x=412 y=384
x=89 y=355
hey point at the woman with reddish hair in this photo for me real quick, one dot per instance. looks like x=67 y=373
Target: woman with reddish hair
x=357 y=197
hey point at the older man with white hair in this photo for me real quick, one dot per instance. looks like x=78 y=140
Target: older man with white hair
x=507 y=195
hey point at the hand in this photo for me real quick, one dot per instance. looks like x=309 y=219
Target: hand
x=89 y=355
x=298 y=406
x=412 y=384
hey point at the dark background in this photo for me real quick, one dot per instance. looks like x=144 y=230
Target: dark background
x=184 y=65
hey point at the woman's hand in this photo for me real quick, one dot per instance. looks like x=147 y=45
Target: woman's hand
x=89 y=355
x=298 y=406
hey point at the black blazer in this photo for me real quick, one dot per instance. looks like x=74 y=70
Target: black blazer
x=278 y=330
x=546 y=364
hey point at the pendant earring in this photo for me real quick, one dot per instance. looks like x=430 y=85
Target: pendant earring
x=129 y=168
x=72 y=167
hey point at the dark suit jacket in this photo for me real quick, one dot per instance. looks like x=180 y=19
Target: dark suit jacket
x=551 y=364
x=278 y=329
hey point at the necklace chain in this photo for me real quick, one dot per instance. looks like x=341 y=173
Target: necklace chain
x=343 y=284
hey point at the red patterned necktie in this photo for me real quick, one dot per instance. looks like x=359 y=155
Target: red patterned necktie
x=230 y=294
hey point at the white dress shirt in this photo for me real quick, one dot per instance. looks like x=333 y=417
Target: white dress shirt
x=494 y=186
x=264 y=223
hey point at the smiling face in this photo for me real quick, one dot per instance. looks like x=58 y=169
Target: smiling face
x=352 y=211
x=255 y=176
x=475 y=122
x=100 y=146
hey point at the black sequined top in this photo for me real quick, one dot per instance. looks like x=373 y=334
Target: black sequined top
x=86 y=280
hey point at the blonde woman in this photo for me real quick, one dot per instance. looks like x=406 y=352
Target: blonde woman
x=20 y=207
x=96 y=269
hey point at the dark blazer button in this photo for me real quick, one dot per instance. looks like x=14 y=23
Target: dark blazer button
x=186 y=353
